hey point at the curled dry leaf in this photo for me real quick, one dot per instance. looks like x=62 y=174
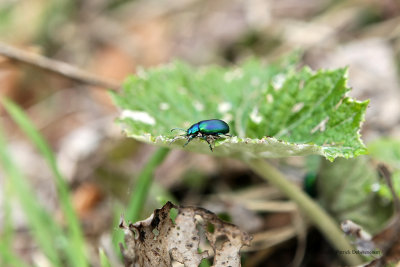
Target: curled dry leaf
x=362 y=239
x=158 y=241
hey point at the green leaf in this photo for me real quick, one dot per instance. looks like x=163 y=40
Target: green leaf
x=273 y=110
x=344 y=189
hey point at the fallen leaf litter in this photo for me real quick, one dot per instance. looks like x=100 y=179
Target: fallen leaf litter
x=159 y=241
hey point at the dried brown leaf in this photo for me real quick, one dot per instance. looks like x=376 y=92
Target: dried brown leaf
x=158 y=241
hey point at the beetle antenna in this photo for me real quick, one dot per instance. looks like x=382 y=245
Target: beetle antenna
x=178 y=129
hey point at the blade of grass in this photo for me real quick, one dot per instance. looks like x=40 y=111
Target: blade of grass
x=140 y=191
x=8 y=229
x=104 y=259
x=76 y=251
x=143 y=184
x=43 y=228
x=7 y=255
x=314 y=212
x=162 y=194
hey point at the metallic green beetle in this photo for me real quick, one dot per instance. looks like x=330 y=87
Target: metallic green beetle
x=208 y=130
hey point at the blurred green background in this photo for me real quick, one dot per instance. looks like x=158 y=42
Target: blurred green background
x=101 y=167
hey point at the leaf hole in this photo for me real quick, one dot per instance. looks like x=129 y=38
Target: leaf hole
x=173 y=213
x=206 y=262
x=210 y=227
x=221 y=239
x=156 y=233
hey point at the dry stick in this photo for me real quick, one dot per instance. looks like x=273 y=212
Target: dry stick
x=58 y=67
x=301 y=229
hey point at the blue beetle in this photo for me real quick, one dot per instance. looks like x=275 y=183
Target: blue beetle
x=208 y=130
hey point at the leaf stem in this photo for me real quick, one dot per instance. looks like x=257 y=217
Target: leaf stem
x=315 y=213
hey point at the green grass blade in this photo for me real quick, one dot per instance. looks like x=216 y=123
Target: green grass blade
x=141 y=191
x=42 y=226
x=7 y=255
x=7 y=233
x=143 y=184
x=104 y=259
x=76 y=251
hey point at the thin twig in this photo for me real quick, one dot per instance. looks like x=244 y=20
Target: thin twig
x=388 y=179
x=58 y=67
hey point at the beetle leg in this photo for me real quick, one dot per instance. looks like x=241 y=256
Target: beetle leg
x=208 y=138
x=190 y=138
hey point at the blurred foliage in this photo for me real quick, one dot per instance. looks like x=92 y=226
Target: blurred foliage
x=310 y=184
x=344 y=190
x=201 y=32
x=56 y=18
x=104 y=259
x=54 y=242
x=382 y=188
x=386 y=151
